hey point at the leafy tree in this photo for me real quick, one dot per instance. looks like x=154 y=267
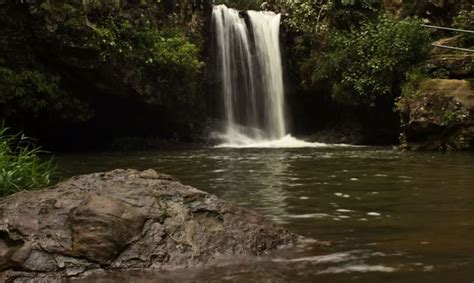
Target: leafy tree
x=370 y=62
x=314 y=16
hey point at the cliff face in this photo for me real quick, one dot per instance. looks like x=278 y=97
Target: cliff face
x=106 y=66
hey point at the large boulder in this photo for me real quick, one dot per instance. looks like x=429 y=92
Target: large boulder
x=438 y=115
x=120 y=220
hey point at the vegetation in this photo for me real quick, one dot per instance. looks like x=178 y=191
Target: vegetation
x=372 y=60
x=315 y=16
x=82 y=53
x=165 y=54
x=465 y=20
x=30 y=92
x=20 y=164
x=411 y=88
x=149 y=55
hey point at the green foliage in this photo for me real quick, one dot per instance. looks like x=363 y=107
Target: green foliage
x=411 y=88
x=465 y=20
x=313 y=16
x=241 y=4
x=20 y=164
x=34 y=93
x=454 y=115
x=369 y=62
x=169 y=56
x=306 y=16
x=166 y=55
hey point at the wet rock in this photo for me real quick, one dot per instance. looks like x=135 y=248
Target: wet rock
x=457 y=66
x=120 y=220
x=439 y=115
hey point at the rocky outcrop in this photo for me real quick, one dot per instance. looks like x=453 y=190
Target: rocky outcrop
x=120 y=220
x=439 y=115
x=448 y=63
x=455 y=65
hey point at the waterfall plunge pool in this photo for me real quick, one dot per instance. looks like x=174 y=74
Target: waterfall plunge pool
x=389 y=216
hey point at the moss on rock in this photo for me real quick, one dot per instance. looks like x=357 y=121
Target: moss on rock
x=437 y=115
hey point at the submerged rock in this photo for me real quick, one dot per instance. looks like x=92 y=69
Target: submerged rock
x=124 y=219
x=439 y=115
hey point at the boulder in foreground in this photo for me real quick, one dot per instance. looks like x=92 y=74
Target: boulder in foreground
x=124 y=219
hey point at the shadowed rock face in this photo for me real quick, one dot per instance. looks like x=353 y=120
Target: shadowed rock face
x=120 y=220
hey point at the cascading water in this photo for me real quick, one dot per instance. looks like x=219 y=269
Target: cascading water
x=266 y=31
x=250 y=68
x=237 y=70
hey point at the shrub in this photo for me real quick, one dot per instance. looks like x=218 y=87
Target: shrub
x=370 y=62
x=313 y=16
x=20 y=165
x=166 y=56
x=465 y=20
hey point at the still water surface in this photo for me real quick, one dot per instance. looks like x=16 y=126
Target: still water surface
x=389 y=216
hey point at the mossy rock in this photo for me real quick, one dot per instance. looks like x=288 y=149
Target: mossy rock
x=439 y=115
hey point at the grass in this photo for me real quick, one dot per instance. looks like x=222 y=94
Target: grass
x=20 y=165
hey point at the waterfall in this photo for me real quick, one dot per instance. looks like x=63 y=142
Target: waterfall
x=251 y=77
x=250 y=69
x=266 y=31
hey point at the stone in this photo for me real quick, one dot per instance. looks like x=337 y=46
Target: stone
x=124 y=219
x=451 y=65
x=438 y=116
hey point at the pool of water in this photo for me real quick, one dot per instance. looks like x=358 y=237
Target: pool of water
x=387 y=215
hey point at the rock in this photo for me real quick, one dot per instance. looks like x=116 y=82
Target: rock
x=447 y=41
x=350 y=133
x=451 y=65
x=447 y=63
x=438 y=116
x=120 y=220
